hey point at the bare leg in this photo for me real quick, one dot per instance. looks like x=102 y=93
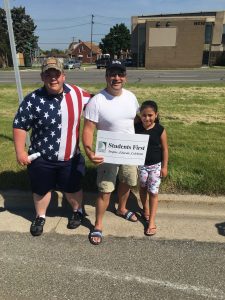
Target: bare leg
x=123 y=194
x=144 y=200
x=41 y=203
x=75 y=199
x=153 y=202
x=101 y=206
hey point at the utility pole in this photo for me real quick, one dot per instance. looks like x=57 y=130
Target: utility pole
x=92 y=22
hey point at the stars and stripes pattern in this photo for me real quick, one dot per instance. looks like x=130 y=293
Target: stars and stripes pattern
x=54 y=120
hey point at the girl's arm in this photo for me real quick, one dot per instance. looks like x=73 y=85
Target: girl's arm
x=164 y=169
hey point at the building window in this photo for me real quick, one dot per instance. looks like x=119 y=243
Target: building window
x=208 y=33
x=223 y=35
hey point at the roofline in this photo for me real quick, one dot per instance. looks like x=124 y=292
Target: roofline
x=202 y=13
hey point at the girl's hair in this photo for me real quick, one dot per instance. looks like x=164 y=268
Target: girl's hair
x=153 y=105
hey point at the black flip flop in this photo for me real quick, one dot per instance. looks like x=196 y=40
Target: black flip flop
x=95 y=233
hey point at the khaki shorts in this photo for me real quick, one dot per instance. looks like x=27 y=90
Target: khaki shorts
x=107 y=173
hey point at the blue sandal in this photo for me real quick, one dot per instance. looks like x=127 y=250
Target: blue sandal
x=127 y=216
x=95 y=233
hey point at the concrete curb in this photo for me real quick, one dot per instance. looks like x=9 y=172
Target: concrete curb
x=23 y=199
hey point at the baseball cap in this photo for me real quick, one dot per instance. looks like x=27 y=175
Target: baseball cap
x=52 y=63
x=116 y=64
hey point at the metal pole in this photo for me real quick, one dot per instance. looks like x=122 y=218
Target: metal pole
x=15 y=63
x=138 y=50
x=13 y=50
x=92 y=22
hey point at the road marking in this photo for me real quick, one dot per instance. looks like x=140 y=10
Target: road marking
x=186 y=288
x=189 y=80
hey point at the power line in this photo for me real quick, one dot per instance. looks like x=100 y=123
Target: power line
x=61 y=20
x=119 y=18
x=64 y=27
x=66 y=43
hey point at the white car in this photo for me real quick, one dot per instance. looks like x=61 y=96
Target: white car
x=72 y=64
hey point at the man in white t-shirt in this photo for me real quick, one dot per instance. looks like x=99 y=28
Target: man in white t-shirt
x=113 y=109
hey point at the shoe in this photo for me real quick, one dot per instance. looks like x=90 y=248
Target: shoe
x=37 y=225
x=76 y=220
x=95 y=233
x=150 y=231
x=127 y=216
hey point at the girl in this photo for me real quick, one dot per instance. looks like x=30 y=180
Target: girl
x=156 y=162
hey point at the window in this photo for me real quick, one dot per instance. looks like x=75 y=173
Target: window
x=208 y=33
x=223 y=35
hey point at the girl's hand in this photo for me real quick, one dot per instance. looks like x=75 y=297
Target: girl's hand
x=164 y=172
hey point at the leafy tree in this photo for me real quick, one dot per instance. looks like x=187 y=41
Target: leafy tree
x=23 y=27
x=53 y=52
x=5 y=52
x=117 y=39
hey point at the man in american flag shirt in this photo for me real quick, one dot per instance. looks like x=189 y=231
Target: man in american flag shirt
x=53 y=114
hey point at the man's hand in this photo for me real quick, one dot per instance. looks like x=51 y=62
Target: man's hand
x=22 y=158
x=94 y=158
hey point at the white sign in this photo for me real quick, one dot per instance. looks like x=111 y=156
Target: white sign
x=122 y=148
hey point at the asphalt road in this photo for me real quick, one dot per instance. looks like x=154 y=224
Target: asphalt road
x=92 y=75
x=56 y=266
x=185 y=260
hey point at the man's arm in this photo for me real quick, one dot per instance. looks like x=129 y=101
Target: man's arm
x=88 y=134
x=19 y=136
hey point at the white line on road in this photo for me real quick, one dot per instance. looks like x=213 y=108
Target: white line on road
x=186 y=288
x=190 y=289
x=202 y=80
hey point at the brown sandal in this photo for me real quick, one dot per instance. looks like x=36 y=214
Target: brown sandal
x=150 y=231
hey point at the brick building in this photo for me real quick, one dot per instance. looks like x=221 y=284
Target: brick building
x=87 y=52
x=183 y=40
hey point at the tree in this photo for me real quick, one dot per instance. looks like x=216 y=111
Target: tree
x=53 y=52
x=5 y=51
x=117 y=39
x=23 y=27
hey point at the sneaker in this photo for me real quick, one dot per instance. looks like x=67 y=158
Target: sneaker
x=76 y=220
x=37 y=225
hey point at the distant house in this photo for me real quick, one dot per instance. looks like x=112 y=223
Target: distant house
x=87 y=52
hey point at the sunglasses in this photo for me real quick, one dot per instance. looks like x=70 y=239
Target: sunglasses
x=114 y=74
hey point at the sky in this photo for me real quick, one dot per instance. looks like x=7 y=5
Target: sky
x=60 y=22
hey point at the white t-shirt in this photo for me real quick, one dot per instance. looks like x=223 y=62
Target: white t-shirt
x=113 y=113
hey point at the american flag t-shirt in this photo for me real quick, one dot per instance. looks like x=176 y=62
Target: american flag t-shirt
x=54 y=120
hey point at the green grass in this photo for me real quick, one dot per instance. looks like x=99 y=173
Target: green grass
x=193 y=116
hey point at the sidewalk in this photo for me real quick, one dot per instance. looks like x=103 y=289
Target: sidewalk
x=191 y=217
x=17 y=199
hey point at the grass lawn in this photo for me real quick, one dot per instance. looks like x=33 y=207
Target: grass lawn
x=193 y=115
